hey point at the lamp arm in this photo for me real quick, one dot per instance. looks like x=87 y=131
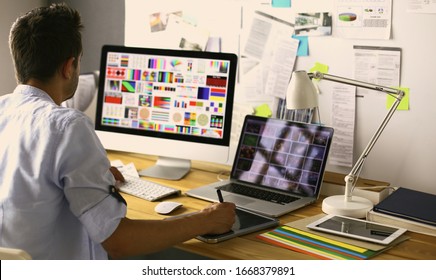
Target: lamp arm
x=351 y=178
x=351 y=82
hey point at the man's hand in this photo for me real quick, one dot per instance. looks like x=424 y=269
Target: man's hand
x=117 y=174
x=221 y=217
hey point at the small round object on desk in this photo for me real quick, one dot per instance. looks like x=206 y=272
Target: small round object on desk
x=166 y=207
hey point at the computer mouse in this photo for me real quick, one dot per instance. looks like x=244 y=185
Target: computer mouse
x=167 y=207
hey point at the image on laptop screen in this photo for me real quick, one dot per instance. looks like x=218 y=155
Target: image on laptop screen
x=287 y=156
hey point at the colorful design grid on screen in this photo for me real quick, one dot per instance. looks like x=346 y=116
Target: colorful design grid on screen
x=151 y=92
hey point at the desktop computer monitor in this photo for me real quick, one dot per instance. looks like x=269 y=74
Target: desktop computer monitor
x=175 y=104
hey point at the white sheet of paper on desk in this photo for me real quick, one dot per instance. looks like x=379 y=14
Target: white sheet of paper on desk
x=128 y=169
x=117 y=163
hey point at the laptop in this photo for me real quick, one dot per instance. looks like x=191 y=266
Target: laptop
x=278 y=167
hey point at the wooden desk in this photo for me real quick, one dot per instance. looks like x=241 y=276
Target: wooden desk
x=248 y=246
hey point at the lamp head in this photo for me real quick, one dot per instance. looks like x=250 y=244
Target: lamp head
x=301 y=92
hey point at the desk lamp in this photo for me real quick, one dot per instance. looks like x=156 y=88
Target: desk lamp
x=302 y=94
x=347 y=204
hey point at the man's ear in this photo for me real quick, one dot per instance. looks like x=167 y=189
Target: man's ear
x=68 y=68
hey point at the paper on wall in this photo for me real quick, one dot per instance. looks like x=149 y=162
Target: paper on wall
x=269 y=42
x=363 y=19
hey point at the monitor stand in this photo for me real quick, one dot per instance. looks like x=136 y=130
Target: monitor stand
x=168 y=168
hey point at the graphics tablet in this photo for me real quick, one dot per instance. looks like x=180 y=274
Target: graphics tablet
x=358 y=229
x=246 y=222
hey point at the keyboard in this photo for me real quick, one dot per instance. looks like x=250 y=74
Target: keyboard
x=258 y=193
x=145 y=189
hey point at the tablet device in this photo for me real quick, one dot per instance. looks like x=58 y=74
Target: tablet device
x=246 y=222
x=358 y=229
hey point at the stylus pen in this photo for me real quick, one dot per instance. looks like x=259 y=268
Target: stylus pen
x=220 y=196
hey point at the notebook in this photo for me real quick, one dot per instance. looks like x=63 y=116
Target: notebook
x=278 y=167
x=409 y=204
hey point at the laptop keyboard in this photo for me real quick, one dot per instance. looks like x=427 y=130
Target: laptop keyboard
x=258 y=193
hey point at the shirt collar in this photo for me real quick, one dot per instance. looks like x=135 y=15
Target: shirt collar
x=32 y=91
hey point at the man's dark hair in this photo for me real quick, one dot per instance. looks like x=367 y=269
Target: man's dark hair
x=43 y=39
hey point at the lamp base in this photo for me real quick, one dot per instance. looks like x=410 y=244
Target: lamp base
x=356 y=208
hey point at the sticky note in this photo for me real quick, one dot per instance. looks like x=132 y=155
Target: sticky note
x=281 y=3
x=303 y=46
x=319 y=67
x=263 y=111
x=404 y=104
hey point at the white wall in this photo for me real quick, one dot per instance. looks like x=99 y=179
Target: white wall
x=9 y=11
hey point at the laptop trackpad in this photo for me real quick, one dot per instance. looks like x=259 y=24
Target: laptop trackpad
x=238 y=200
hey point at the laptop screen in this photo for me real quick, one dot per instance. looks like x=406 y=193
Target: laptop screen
x=284 y=155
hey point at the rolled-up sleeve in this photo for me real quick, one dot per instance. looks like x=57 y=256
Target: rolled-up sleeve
x=83 y=173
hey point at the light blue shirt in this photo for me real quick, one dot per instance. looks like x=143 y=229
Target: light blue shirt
x=54 y=180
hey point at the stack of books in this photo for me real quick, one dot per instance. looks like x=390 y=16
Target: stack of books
x=409 y=209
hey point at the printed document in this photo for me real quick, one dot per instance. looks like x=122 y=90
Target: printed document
x=360 y=19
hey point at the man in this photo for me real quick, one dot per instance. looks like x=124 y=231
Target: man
x=55 y=195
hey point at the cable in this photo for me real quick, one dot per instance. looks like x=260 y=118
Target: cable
x=223 y=173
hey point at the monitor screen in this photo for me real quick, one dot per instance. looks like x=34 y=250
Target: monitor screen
x=176 y=104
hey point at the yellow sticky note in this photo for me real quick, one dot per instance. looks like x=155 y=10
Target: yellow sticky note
x=404 y=104
x=320 y=68
x=263 y=111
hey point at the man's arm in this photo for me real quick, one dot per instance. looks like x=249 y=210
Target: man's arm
x=141 y=237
